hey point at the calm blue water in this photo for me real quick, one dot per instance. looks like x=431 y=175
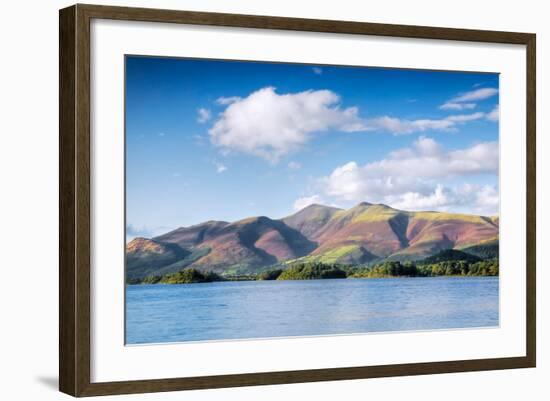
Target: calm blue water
x=254 y=309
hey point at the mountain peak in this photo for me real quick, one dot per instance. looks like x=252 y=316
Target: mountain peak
x=140 y=243
x=313 y=206
x=310 y=219
x=193 y=235
x=372 y=207
x=254 y=219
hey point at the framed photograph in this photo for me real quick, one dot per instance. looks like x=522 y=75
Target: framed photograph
x=250 y=200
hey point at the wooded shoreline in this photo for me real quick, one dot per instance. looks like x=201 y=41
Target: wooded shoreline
x=317 y=271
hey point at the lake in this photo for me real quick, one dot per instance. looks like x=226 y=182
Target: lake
x=257 y=309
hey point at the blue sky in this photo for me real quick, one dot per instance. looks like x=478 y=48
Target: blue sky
x=224 y=140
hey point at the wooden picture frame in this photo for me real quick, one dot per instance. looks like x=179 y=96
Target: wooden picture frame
x=74 y=204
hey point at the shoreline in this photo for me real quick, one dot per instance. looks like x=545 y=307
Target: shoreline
x=318 y=279
x=320 y=271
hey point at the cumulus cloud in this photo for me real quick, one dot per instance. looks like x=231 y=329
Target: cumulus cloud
x=419 y=201
x=305 y=201
x=203 y=115
x=494 y=115
x=478 y=199
x=270 y=125
x=317 y=70
x=415 y=178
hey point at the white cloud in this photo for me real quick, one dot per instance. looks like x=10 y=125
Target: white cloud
x=220 y=168
x=466 y=117
x=305 y=201
x=271 y=125
x=487 y=198
x=478 y=94
x=224 y=101
x=203 y=115
x=317 y=70
x=415 y=177
x=404 y=127
x=401 y=127
x=477 y=199
x=457 y=106
x=294 y=165
x=133 y=231
x=494 y=115
x=419 y=201
x=466 y=100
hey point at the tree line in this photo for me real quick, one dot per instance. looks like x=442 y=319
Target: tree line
x=444 y=268
x=319 y=270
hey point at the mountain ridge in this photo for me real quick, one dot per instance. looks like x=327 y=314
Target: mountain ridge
x=359 y=235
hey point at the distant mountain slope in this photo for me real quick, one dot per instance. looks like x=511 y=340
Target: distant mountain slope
x=362 y=234
x=385 y=232
x=251 y=243
x=311 y=219
x=144 y=256
x=379 y=229
x=187 y=237
x=432 y=232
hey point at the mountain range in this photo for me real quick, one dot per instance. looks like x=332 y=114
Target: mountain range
x=366 y=233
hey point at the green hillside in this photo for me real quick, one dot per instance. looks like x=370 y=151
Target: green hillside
x=450 y=255
x=487 y=250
